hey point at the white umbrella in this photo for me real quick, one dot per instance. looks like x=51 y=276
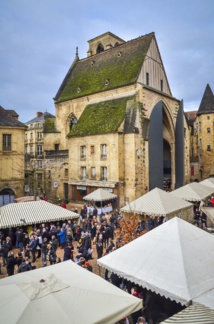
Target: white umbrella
x=157 y=202
x=175 y=260
x=193 y=192
x=100 y=195
x=63 y=293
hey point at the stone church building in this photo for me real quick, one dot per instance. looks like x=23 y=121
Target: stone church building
x=119 y=122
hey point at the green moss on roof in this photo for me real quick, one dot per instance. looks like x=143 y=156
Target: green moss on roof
x=120 y=66
x=101 y=118
x=49 y=125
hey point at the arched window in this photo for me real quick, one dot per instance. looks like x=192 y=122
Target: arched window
x=73 y=121
x=100 y=48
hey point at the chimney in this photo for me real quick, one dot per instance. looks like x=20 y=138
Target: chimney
x=39 y=114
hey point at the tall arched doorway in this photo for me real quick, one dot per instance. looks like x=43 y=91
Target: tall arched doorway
x=7 y=196
x=161 y=136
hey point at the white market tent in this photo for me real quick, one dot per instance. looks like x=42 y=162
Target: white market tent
x=209 y=211
x=193 y=314
x=100 y=195
x=209 y=182
x=158 y=202
x=68 y=294
x=33 y=212
x=175 y=260
x=206 y=299
x=193 y=192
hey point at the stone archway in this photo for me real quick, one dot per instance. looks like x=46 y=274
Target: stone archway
x=7 y=196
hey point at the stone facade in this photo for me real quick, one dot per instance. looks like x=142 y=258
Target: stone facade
x=202 y=137
x=114 y=74
x=11 y=156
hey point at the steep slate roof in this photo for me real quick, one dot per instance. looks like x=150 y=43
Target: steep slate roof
x=7 y=120
x=119 y=65
x=12 y=112
x=190 y=117
x=207 y=102
x=105 y=117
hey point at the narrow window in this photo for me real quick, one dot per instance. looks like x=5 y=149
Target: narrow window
x=104 y=173
x=7 y=142
x=92 y=149
x=208 y=130
x=66 y=173
x=199 y=126
x=83 y=152
x=39 y=150
x=83 y=173
x=39 y=135
x=103 y=149
x=208 y=148
x=100 y=48
x=39 y=164
x=161 y=85
x=93 y=172
x=208 y=117
x=147 y=78
x=56 y=147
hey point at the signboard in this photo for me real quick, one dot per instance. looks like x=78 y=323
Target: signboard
x=55 y=184
x=108 y=189
x=81 y=188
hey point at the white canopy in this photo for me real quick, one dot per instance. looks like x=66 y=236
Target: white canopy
x=193 y=192
x=68 y=294
x=32 y=212
x=175 y=259
x=208 y=182
x=209 y=211
x=193 y=314
x=100 y=195
x=206 y=299
x=157 y=202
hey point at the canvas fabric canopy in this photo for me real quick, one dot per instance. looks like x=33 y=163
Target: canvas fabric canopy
x=68 y=294
x=193 y=192
x=209 y=211
x=193 y=314
x=158 y=202
x=206 y=299
x=33 y=212
x=100 y=195
x=208 y=182
x=175 y=260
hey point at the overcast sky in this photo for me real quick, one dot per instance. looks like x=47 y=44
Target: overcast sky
x=38 y=41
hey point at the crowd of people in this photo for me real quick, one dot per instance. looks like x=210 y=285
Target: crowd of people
x=51 y=243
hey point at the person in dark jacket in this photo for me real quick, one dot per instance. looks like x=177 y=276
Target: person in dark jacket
x=11 y=262
x=24 y=266
x=5 y=250
x=32 y=247
x=68 y=252
x=19 y=259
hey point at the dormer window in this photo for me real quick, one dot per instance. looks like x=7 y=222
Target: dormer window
x=119 y=54
x=92 y=63
x=100 y=48
x=78 y=90
x=106 y=82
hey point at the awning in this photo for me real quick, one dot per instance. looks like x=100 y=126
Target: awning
x=93 y=183
x=209 y=211
x=100 y=195
x=175 y=260
x=156 y=202
x=192 y=315
x=193 y=192
x=208 y=182
x=33 y=212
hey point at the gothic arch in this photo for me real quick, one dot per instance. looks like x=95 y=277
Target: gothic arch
x=71 y=120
